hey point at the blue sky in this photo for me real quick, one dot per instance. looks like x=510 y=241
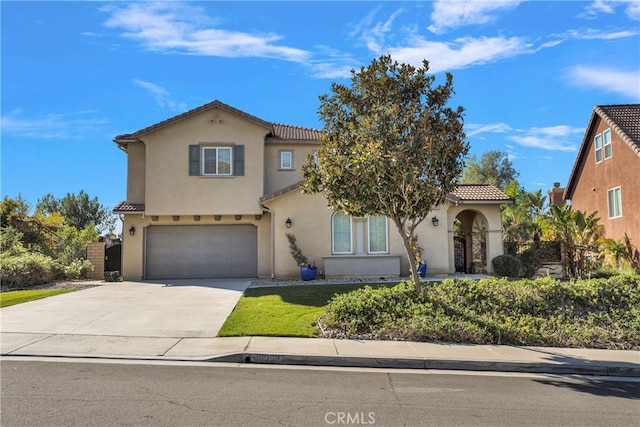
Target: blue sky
x=76 y=74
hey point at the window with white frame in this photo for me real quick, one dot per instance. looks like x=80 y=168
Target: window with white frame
x=341 y=230
x=286 y=159
x=606 y=142
x=377 y=234
x=602 y=145
x=343 y=234
x=614 y=201
x=598 y=147
x=216 y=160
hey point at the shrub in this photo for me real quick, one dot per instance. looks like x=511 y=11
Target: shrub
x=26 y=270
x=507 y=266
x=596 y=313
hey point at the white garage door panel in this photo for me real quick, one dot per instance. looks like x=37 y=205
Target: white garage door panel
x=201 y=251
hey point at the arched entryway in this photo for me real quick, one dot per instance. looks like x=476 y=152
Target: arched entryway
x=470 y=242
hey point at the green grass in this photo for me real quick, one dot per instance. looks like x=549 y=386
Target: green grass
x=17 y=297
x=284 y=311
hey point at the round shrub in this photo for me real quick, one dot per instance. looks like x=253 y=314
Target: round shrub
x=26 y=270
x=507 y=266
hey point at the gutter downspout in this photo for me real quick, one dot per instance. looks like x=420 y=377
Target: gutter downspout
x=273 y=240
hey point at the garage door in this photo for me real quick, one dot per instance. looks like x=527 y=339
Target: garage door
x=201 y=251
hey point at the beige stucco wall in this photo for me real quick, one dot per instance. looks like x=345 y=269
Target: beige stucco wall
x=133 y=246
x=169 y=188
x=276 y=178
x=136 y=161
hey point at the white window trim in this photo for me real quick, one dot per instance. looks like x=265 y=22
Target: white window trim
x=333 y=246
x=386 y=237
x=605 y=144
x=596 y=149
x=280 y=160
x=204 y=173
x=613 y=191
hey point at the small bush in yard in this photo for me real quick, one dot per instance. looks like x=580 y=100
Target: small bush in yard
x=507 y=266
x=596 y=313
x=26 y=270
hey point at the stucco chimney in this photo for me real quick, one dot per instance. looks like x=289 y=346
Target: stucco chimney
x=555 y=195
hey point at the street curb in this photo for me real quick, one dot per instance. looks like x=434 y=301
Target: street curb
x=614 y=369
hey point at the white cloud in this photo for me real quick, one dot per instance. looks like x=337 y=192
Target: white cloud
x=51 y=126
x=552 y=138
x=460 y=53
x=608 y=79
x=475 y=129
x=595 y=34
x=373 y=34
x=181 y=28
x=451 y=14
x=631 y=8
x=161 y=95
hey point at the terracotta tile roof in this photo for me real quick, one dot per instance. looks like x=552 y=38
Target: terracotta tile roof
x=624 y=120
x=205 y=107
x=288 y=132
x=126 y=207
x=280 y=192
x=478 y=193
x=464 y=193
x=276 y=131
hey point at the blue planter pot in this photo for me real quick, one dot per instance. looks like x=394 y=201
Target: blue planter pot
x=308 y=273
x=422 y=270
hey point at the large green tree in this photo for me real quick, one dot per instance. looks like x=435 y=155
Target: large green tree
x=391 y=146
x=78 y=211
x=494 y=167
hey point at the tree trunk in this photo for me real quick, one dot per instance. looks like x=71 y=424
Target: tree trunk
x=411 y=256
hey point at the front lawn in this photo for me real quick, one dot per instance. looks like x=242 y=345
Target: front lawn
x=284 y=311
x=17 y=297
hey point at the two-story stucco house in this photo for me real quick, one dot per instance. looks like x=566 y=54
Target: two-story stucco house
x=606 y=175
x=213 y=192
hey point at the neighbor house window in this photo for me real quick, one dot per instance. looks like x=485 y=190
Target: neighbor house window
x=598 y=148
x=216 y=161
x=377 y=234
x=606 y=137
x=614 y=200
x=602 y=145
x=341 y=239
x=286 y=159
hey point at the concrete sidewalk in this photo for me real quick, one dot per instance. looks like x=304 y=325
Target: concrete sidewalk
x=329 y=352
x=179 y=321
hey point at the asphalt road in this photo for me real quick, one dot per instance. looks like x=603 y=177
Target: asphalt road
x=63 y=393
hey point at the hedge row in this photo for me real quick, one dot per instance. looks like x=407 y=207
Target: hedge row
x=596 y=313
x=30 y=269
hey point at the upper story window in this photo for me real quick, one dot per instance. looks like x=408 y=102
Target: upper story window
x=286 y=159
x=614 y=201
x=212 y=161
x=216 y=160
x=602 y=145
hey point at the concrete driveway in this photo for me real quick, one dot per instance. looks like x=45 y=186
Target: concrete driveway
x=171 y=309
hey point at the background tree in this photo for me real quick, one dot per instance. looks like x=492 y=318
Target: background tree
x=79 y=211
x=493 y=168
x=390 y=146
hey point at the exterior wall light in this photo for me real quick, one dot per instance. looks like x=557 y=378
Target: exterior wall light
x=132 y=230
x=288 y=223
x=435 y=221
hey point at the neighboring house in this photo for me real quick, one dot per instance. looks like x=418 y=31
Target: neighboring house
x=606 y=175
x=213 y=192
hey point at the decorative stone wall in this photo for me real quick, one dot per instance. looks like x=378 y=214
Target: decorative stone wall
x=95 y=255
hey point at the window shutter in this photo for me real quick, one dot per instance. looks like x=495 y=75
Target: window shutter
x=194 y=160
x=238 y=160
